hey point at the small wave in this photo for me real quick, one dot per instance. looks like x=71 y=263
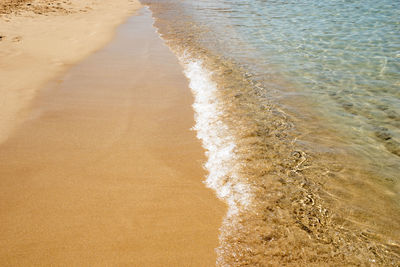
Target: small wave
x=216 y=138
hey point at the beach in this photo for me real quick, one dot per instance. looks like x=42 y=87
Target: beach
x=98 y=162
x=199 y=133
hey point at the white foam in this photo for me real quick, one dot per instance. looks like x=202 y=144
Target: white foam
x=216 y=138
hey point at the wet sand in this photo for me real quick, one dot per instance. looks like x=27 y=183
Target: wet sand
x=105 y=171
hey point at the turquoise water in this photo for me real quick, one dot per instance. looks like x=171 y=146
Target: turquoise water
x=301 y=123
x=343 y=55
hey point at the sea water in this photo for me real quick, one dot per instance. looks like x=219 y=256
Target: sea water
x=298 y=107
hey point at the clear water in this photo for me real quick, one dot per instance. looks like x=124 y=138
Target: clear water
x=298 y=106
x=342 y=55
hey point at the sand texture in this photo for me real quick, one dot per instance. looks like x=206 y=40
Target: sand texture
x=42 y=38
x=104 y=169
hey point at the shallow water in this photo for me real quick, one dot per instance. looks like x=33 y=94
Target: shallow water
x=298 y=107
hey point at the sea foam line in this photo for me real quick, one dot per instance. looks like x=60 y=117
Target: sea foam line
x=219 y=144
x=216 y=138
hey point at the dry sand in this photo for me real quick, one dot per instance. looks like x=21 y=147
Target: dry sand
x=103 y=169
x=42 y=38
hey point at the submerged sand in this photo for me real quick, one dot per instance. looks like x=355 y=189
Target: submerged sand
x=103 y=170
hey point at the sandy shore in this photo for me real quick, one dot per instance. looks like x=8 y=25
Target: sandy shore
x=103 y=170
x=41 y=38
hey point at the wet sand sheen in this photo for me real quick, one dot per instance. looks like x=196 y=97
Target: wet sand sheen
x=106 y=171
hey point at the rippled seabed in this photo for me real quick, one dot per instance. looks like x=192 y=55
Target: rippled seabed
x=297 y=104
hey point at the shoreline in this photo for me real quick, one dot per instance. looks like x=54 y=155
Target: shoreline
x=106 y=171
x=41 y=39
x=296 y=195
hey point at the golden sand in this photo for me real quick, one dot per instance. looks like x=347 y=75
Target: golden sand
x=41 y=38
x=104 y=170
